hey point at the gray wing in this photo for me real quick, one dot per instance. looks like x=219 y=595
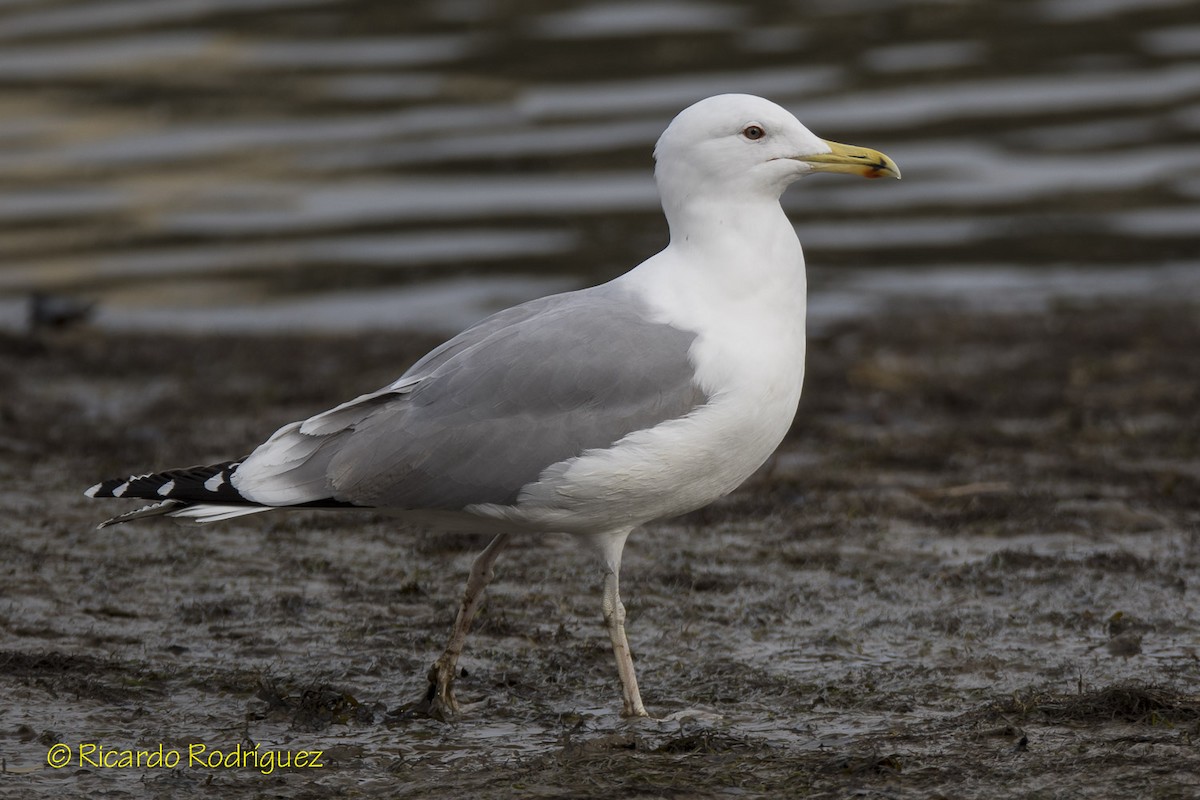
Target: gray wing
x=482 y=415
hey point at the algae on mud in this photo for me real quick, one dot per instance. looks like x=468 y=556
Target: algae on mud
x=919 y=596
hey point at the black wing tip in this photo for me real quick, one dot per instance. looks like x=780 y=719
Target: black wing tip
x=152 y=510
x=208 y=483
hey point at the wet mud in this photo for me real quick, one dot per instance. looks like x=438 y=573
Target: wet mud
x=969 y=572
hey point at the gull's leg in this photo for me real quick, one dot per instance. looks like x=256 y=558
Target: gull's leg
x=439 y=701
x=614 y=618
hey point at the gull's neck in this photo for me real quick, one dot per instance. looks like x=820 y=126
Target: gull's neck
x=731 y=263
x=736 y=242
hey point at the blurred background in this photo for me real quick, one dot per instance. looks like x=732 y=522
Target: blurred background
x=264 y=165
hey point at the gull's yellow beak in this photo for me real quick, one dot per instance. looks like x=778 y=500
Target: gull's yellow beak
x=854 y=160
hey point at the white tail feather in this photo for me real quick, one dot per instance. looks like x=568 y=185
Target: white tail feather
x=205 y=512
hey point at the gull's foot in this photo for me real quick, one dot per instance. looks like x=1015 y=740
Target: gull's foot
x=438 y=701
x=425 y=708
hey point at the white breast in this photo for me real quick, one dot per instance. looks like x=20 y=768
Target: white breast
x=749 y=359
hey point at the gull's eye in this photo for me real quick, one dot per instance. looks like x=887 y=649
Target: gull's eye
x=753 y=132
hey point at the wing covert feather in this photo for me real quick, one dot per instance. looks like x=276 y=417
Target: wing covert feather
x=482 y=415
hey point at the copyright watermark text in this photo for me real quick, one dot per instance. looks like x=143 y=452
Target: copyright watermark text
x=196 y=755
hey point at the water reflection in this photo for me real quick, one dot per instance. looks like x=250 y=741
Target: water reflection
x=414 y=151
x=636 y=20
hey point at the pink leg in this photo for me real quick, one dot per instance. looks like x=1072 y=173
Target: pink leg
x=611 y=547
x=439 y=701
x=614 y=618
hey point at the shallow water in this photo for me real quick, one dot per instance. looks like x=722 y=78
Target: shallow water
x=210 y=165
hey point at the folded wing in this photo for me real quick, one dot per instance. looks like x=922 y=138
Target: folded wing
x=484 y=414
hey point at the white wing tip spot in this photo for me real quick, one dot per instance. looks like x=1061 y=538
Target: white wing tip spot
x=92 y=491
x=166 y=488
x=214 y=483
x=120 y=490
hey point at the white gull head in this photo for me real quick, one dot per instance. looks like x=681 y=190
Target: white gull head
x=735 y=147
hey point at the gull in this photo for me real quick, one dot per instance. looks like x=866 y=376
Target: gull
x=590 y=412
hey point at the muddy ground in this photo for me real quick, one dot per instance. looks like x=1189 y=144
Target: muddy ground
x=971 y=572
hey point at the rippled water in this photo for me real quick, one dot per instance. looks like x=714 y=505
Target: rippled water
x=262 y=164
